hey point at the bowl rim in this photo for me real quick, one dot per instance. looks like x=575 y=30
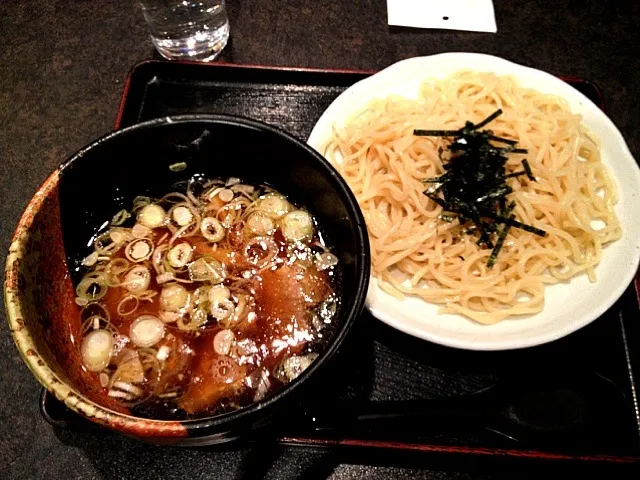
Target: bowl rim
x=150 y=428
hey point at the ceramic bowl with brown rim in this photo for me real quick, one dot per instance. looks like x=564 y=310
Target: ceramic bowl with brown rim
x=39 y=286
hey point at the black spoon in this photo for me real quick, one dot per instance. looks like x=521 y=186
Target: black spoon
x=572 y=409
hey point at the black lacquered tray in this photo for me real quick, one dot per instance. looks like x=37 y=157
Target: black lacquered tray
x=573 y=399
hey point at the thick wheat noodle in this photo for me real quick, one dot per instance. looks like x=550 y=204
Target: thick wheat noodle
x=416 y=252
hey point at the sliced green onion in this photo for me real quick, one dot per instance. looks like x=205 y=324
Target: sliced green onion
x=174 y=297
x=90 y=260
x=206 y=269
x=139 y=250
x=291 y=367
x=164 y=278
x=105 y=245
x=218 y=294
x=127 y=305
x=96 y=350
x=274 y=205
x=180 y=255
x=226 y=195
x=152 y=216
x=140 y=231
x=221 y=306
x=212 y=229
x=119 y=235
x=259 y=223
x=326 y=260
x=169 y=317
x=223 y=341
x=197 y=318
x=238 y=312
x=146 y=331
x=182 y=215
x=178 y=167
x=120 y=217
x=259 y=251
x=137 y=279
x=297 y=226
x=92 y=287
x=140 y=201
x=129 y=370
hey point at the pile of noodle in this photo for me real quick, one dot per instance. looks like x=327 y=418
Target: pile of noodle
x=417 y=252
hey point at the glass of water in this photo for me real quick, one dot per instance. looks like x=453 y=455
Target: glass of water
x=187 y=30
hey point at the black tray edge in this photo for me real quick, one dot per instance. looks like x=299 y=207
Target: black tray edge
x=140 y=70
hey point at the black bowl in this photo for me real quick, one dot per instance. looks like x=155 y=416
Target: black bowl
x=104 y=177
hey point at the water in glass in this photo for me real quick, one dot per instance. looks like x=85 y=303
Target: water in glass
x=188 y=30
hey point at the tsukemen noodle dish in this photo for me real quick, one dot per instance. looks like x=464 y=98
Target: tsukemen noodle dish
x=200 y=303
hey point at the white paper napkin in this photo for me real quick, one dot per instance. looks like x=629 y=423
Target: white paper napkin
x=472 y=15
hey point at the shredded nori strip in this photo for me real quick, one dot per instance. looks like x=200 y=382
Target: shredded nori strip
x=488 y=120
x=498 y=247
x=527 y=169
x=474 y=186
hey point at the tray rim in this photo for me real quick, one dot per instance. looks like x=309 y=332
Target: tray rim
x=398 y=446
x=240 y=67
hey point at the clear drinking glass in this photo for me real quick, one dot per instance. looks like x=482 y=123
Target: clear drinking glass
x=187 y=30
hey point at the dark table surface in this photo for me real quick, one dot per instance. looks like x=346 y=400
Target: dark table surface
x=62 y=67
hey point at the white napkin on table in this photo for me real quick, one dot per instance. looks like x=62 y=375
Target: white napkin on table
x=472 y=15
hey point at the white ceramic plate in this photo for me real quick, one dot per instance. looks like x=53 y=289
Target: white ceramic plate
x=568 y=306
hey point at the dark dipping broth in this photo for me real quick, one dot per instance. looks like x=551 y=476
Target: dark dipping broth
x=200 y=303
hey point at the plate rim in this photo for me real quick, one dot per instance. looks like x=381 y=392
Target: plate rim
x=427 y=333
